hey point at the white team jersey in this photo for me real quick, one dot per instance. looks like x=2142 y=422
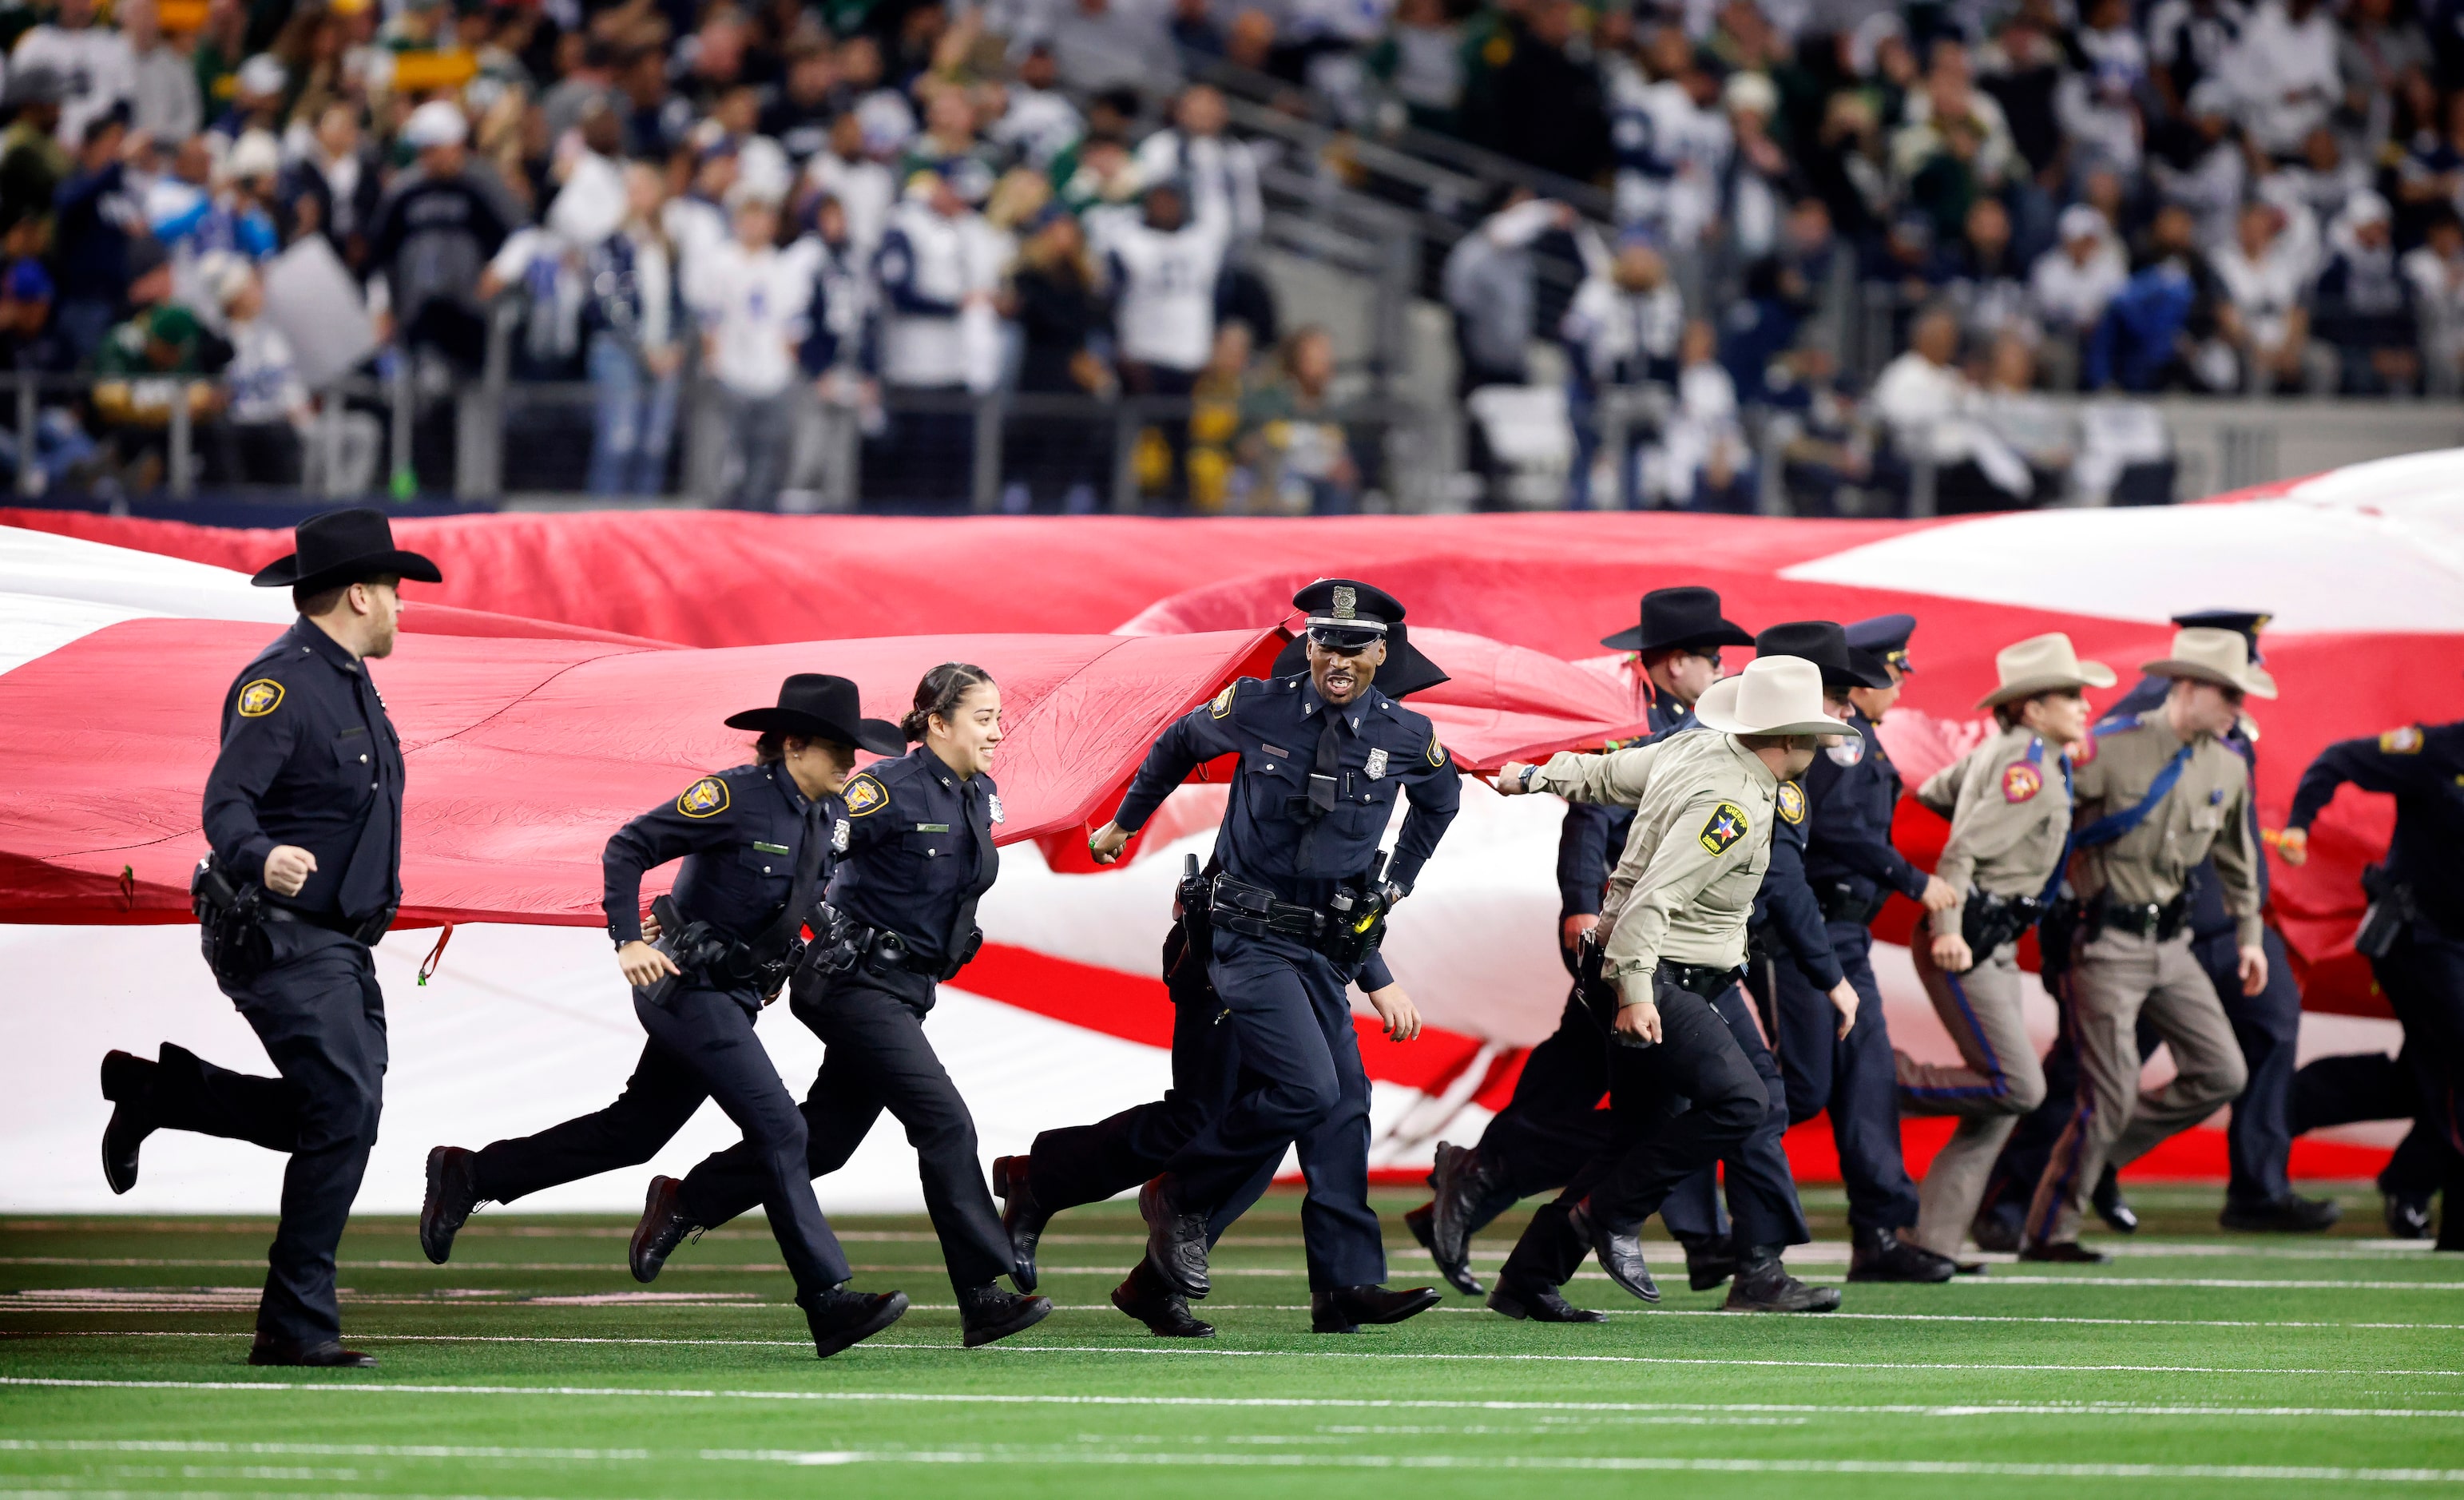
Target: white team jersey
x=1673 y=157
x=1165 y=313
x=95 y=68
x=926 y=269
x=864 y=188
x=752 y=303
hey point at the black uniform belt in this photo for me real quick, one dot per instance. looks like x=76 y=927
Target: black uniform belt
x=1987 y=921
x=2161 y=921
x=1843 y=901
x=885 y=950
x=1254 y=912
x=368 y=929
x=1698 y=977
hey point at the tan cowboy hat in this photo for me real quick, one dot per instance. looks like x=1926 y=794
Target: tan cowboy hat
x=2042 y=664
x=1773 y=695
x=2204 y=655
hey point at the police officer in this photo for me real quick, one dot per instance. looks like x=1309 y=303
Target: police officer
x=919 y=859
x=1553 y=1124
x=1852 y=792
x=303 y=810
x=2008 y=802
x=1323 y=758
x=2258 y=1138
x=2156 y=793
x=1675 y=925
x=1078 y=1164
x=759 y=843
x=2413 y=937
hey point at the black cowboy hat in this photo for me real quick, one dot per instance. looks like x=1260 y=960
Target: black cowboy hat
x=1680 y=617
x=1406 y=670
x=1826 y=646
x=344 y=547
x=813 y=706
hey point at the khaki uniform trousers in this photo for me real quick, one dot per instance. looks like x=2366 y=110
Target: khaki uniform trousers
x=2117 y=978
x=1997 y=1080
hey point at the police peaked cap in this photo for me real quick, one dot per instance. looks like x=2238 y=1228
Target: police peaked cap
x=1406 y=670
x=1886 y=636
x=1357 y=613
x=1687 y=617
x=1826 y=646
x=2244 y=623
x=344 y=547
x=814 y=706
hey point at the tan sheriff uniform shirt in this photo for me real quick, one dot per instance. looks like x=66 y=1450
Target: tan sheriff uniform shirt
x=2009 y=814
x=2206 y=812
x=1684 y=889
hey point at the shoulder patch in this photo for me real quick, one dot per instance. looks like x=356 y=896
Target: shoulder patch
x=1850 y=750
x=2395 y=741
x=1728 y=825
x=1437 y=751
x=259 y=698
x=2021 y=780
x=864 y=795
x=1222 y=702
x=706 y=797
x=1792 y=801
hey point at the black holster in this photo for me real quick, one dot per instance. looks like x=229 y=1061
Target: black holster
x=2391 y=910
x=2056 y=935
x=231 y=923
x=1988 y=921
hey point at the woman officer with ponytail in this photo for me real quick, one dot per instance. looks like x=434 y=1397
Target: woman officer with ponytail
x=919 y=856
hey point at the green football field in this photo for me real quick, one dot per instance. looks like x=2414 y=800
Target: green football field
x=2196 y=1364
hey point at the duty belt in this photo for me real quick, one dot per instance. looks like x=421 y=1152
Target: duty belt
x=2161 y=921
x=1841 y=902
x=1987 y=921
x=885 y=950
x=366 y=930
x=1698 y=977
x=1255 y=912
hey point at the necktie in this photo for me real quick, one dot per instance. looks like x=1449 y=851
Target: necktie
x=1325 y=776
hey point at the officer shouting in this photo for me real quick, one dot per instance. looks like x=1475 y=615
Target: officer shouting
x=303 y=808
x=1323 y=758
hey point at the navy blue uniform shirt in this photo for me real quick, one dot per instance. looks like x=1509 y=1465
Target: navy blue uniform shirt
x=1593 y=839
x=922 y=847
x=309 y=759
x=1274 y=726
x=1785 y=911
x=740 y=833
x=1849 y=793
x=2422 y=766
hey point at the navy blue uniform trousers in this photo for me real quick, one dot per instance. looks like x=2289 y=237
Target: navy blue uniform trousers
x=2422 y=978
x=1853 y=1077
x=1553 y=1123
x=1762 y=1196
x=318 y=1012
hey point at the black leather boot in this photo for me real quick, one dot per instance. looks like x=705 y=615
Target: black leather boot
x=1763 y=1285
x=1145 y=1297
x=1620 y=1255
x=1176 y=1238
x=128 y=1083
x=452 y=1195
x=1882 y=1256
x=663 y=1227
x=1709 y=1260
x=841 y=1319
x=987 y=1312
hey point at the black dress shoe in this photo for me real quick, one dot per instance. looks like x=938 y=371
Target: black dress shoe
x=1163 y=1310
x=2407 y=1216
x=1021 y=1215
x=452 y=1194
x=1457 y=1183
x=1342 y=1310
x=1882 y=1256
x=2111 y=1207
x=841 y=1319
x=1708 y=1260
x=2291 y=1214
x=328 y=1356
x=1176 y=1238
x=987 y=1312
x=1998 y=1229
x=1763 y=1285
x=1457 y=1277
x=2063 y=1252
x=663 y=1227
x=127 y=1081
x=1620 y=1255
x=1539 y=1305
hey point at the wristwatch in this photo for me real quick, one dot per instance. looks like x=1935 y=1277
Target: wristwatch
x=1529 y=772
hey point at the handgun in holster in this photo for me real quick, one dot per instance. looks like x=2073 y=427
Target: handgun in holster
x=691 y=946
x=1356 y=922
x=230 y=922
x=2391 y=910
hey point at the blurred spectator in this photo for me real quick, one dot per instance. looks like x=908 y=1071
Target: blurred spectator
x=265 y=407
x=1547 y=107
x=2282 y=74
x=259 y=89
x=1788 y=296
x=2069 y=288
x=332 y=185
x=435 y=231
x=1194 y=29
x=97 y=71
x=2322 y=180
x=2042 y=433
x=2434 y=271
x=948 y=147
x=163 y=95
x=1673 y=146
x=1812 y=425
x=2161 y=329
x=1705 y=463
x=1217 y=173
x=1489 y=286
x=1291 y=441
x=1163 y=270
x=1060 y=310
x=2200 y=163
x=2432 y=169
x=2023 y=71
x=632 y=320
x=145 y=368
x=239 y=214
x=1929 y=411
x=1040 y=123
x=1622 y=331
x=2365 y=304
x=1985 y=279
x=2098 y=106
x=2382 y=56
x=2187 y=43
x=590 y=82
x=33 y=162
x=1215 y=407
x=1420 y=62
x=1098 y=44
x=28 y=345
x=97 y=217
x=2263 y=277
x=751 y=301
x=863 y=186
x=931 y=272
x=1954 y=143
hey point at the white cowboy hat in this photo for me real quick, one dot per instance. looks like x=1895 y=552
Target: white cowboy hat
x=1773 y=695
x=2042 y=664
x=2222 y=658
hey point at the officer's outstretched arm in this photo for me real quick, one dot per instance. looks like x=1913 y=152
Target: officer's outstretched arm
x=1617 y=778
x=1194 y=738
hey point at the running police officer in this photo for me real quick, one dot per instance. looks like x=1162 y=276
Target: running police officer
x=2008 y=802
x=1297 y=904
x=2413 y=933
x=303 y=809
x=919 y=859
x=757 y=843
x=2160 y=790
x=1851 y=793
x=1675 y=924
x=1553 y=1124
x=1078 y=1164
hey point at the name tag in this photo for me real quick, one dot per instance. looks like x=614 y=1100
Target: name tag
x=932 y=827
x=759 y=847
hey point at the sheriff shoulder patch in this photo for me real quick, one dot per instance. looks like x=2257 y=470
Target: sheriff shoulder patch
x=2395 y=741
x=2021 y=780
x=864 y=795
x=1728 y=825
x=706 y=797
x=1792 y=801
x=1223 y=703
x=259 y=698
x=1437 y=752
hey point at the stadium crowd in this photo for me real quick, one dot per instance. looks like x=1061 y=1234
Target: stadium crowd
x=899 y=205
